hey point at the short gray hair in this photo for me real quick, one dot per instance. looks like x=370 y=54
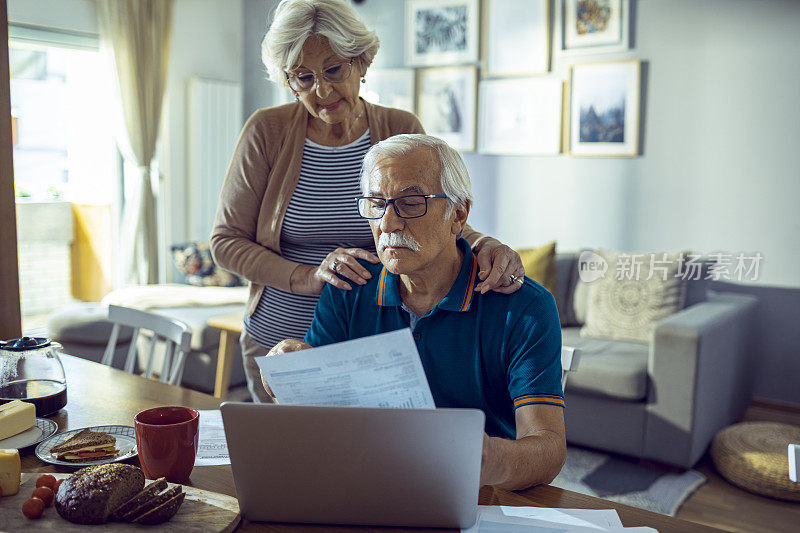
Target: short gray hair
x=297 y=20
x=453 y=176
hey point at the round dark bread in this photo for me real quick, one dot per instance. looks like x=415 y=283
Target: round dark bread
x=162 y=513
x=139 y=499
x=90 y=495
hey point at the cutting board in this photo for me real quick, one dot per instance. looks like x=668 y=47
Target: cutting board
x=201 y=511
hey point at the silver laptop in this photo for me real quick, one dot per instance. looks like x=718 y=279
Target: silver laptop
x=352 y=465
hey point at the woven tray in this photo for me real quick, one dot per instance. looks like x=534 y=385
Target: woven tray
x=753 y=456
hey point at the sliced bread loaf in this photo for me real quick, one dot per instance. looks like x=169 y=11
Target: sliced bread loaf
x=91 y=494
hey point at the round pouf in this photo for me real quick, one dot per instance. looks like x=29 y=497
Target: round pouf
x=754 y=456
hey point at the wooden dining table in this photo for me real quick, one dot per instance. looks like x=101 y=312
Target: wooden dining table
x=100 y=395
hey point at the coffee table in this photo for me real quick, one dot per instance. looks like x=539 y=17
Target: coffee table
x=100 y=395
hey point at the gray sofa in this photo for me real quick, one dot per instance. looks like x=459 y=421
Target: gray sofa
x=666 y=399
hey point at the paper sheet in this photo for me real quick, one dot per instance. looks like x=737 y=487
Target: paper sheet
x=212 y=448
x=598 y=518
x=502 y=519
x=378 y=371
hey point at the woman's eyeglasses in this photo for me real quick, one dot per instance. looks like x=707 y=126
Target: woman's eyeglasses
x=305 y=80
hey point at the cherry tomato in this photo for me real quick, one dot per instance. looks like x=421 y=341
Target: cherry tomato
x=33 y=508
x=45 y=494
x=46 y=480
x=58 y=484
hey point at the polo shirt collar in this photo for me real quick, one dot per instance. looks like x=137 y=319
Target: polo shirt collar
x=458 y=299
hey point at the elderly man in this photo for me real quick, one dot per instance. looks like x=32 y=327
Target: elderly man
x=496 y=352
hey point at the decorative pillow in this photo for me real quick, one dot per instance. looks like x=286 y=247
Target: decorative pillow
x=580 y=297
x=622 y=303
x=540 y=265
x=193 y=260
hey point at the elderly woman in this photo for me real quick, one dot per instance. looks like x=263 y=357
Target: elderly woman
x=287 y=218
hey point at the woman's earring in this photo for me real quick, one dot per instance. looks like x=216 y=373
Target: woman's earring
x=363 y=79
x=296 y=97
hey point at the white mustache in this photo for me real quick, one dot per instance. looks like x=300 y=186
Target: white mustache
x=398 y=239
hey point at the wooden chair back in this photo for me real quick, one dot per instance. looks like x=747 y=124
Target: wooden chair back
x=175 y=334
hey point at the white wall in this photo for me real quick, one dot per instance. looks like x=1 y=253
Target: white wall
x=720 y=169
x=207 y=41
x=720 y=164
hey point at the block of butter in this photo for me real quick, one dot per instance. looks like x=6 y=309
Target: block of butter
x=16 y=417
x=10 y=469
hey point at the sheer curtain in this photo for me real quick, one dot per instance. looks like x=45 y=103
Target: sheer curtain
x=138 y=34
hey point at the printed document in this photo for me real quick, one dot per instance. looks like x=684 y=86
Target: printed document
x=379 y=371
x=212 y=448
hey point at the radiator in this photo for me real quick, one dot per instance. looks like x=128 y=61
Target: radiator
x=214 y=120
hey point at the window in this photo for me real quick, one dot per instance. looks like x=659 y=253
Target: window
x=66 y=173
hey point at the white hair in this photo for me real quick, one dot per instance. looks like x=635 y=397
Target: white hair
x=453 y=174
x=295 y=21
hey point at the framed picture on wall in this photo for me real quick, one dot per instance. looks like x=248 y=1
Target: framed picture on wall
x=604 y=108
x=516 y=37
x=441 y=32
x=390 y=87
x=595 y=25
x=520 y=116
x=446 y=101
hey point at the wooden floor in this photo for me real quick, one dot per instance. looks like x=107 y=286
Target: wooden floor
x=722 y=505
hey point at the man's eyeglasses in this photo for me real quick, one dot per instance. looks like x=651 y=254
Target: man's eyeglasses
x=305 y=81
x=411 y=206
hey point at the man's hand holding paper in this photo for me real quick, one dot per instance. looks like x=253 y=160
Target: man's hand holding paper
x=285 y=346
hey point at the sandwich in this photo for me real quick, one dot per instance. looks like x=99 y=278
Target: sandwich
x=86 y=444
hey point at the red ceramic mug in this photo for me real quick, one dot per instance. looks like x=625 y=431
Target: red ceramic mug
x=166 y=440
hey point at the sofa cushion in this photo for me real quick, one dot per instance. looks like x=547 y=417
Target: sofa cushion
x=204 y=337
x=609 y=368
x=540 y=265
x=634 y=292
x=566 y=279
x=84 y=323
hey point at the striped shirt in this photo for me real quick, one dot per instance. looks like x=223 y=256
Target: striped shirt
x=321 y=216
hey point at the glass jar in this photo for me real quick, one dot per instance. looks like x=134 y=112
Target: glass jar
x=30 y=370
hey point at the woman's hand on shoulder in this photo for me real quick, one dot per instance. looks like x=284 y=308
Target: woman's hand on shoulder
x=308 y=279
x=500 y=267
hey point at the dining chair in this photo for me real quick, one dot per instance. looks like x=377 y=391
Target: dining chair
x=570 y=357
x=175 y=334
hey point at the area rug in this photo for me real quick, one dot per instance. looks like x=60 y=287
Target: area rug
x=625 y=481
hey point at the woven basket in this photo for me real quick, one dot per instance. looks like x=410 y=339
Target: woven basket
x=753 y=455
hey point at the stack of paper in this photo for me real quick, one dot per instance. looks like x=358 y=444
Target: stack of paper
x=507 y=519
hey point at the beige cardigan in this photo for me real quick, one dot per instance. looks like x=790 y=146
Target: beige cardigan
x=261 y=180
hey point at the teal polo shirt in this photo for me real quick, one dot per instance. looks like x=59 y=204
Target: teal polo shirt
x=494 y=352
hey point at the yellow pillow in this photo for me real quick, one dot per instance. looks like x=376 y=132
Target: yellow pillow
x=540 y=265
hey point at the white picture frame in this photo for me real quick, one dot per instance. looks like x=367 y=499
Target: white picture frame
x=608 y=31
x=391 y=87
x=520 y=116
x=604 y=104
x=442 y=32
x=446 y=104
x=516 y=37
